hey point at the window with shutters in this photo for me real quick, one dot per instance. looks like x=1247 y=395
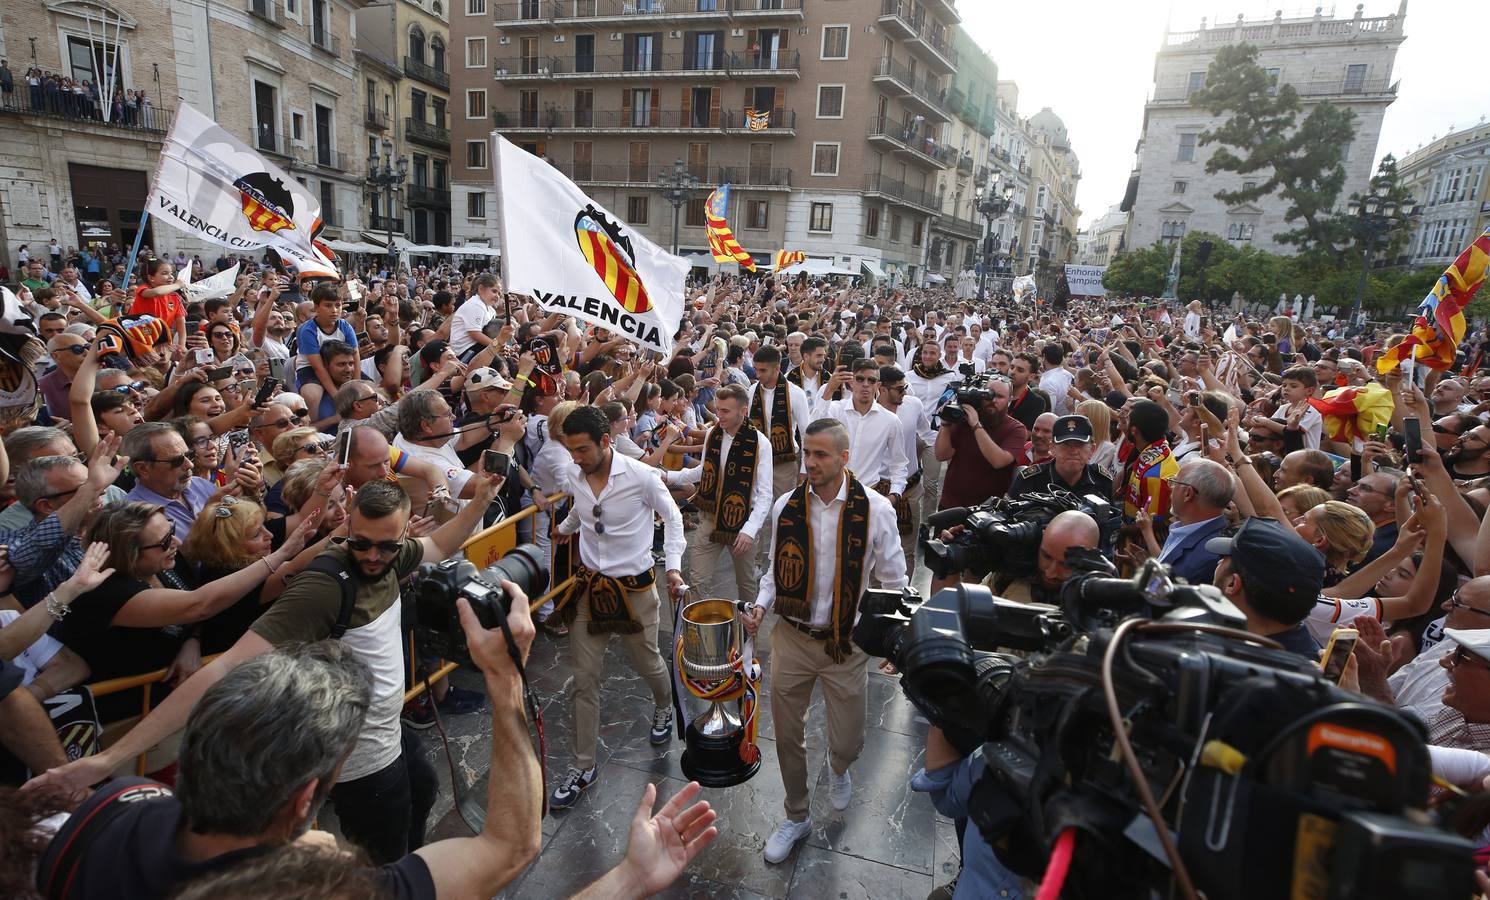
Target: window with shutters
x=830 y=101
x=583 y=158
x=698 y=160
x=475 y=154
x=1355 y=78
x=636 y=210
x=835 y=42
x=698 y=106
x=476 y=205
x=584 y=108
x=639 y=160
x=872 y=222
x=895 y=223
x=757 y=214
x=476 y=103
x=475 y=52
x=917 y=230
x=642 y=108
x=695 y=212
x=821 y=218
x=475 y=7
x=825 y=158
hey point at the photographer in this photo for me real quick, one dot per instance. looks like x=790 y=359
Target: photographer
x=294 y=717
x=374 y=790
x=1071 y=469
x=949 y=778
x=1072 y=528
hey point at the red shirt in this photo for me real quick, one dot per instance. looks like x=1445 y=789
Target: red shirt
x=165 y=307
x=969 y=479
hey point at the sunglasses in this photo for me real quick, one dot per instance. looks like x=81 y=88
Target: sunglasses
x=134 y=387
x=174 y=462
x=599 y=525
x=363 y=545
x=76 y=349
x=164 y=544
x=314 y=447
x=1462 y=656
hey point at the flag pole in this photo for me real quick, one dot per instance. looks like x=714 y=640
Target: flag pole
x=134 y=252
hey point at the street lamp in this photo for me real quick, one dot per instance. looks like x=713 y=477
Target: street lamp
x=677 y=188
x=389 y=175
x=1371 y=219
x=990 y=202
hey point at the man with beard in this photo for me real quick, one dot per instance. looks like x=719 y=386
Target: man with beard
x=982 y=451
x=782 y=411
x=385 y=787
x=1026 y=403
x=808 y=374
x=1469 y=457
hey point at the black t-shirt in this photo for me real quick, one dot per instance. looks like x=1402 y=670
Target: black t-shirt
x=112 y=651
x=133 y=853
x=472 y=454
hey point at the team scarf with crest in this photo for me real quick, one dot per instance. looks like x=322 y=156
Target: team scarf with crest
x=609 y=598
x=783 y=446
x=725 y=491
x=793 y=563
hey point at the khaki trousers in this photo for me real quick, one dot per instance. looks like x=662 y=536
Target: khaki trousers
x=908 y=539
x=703 y=562
x=797 y=663
x=587 y=655
x=931 y=481
x=784 y=476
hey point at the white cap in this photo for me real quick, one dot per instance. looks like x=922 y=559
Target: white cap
x=1475 y=640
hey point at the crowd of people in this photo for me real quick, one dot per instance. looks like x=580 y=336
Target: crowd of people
x=43 y=91
x=254 y=476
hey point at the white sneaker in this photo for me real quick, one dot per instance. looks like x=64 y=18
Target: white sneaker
x=779 y=847
x=840 y=791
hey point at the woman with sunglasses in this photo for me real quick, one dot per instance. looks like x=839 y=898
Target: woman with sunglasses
x=131 y=622
x=289 y=448
x=224 y=343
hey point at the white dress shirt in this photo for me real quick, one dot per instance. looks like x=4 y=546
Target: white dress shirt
x=914 y=422
x=812 y=386
x=632 y=493
x=1055 y=383
x=884 y=561
x=760 y=490
x=929 y=390
x=876 y=445
x=800 y=405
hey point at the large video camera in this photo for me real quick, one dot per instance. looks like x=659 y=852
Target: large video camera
x=973 y=391
x=1003 y=535
x=1268 y=780
x=438 y=586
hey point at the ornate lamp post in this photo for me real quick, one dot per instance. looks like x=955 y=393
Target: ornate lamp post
x=677 y=188
x=990 y=202
x=386 y=173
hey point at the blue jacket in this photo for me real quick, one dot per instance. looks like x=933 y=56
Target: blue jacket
x=950 y=788
x=1191 y=560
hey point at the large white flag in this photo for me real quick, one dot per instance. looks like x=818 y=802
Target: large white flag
x=575 y=257
x=212 y=185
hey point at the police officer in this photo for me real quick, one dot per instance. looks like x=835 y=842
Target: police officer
x=1070 y=470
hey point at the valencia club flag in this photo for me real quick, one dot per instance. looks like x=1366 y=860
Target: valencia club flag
x=722 y=241
x=1440 y=324
x=786 y=258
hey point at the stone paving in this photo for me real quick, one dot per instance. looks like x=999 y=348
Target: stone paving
x=888 y=844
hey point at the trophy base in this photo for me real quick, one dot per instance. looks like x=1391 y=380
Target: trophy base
x=714 y=761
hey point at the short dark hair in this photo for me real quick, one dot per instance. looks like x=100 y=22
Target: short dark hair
x=891 y=375
x=1317 y=467
x=442 y=299
x=1303 y=375
x=323 y=292
x=589 y=421
x=215 y=304
x=1054 y=353
x=332 y=349
x=812 y=344
x=1030 y=358
x=1151 y=420
x=769 y=355
x=380 y=499
x=864 y=364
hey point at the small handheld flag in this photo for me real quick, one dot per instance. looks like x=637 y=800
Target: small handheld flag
x=722 y=241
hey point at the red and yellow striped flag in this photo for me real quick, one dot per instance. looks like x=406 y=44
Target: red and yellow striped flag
x=722 y=241
x=1440 y=324
x=612 y=265
x=786 y=258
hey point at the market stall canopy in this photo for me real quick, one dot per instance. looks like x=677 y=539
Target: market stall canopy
x=873 y=269
x=356 y=247
x=817 y=268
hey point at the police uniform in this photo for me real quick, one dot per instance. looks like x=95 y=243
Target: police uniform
x=1041 y=477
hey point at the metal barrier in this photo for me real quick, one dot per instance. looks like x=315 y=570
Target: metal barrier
x=482 y=549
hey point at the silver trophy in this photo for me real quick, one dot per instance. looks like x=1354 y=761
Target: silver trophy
x=711 y=644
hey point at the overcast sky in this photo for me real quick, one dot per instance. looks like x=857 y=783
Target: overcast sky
x=1092 y=61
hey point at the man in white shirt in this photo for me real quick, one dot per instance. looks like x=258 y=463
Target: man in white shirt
x=877 y=454
x=466 y=334
x=791 y=412
x=915 y=430
x=815 y=583
x=425 y=426
x=615 y=499
x=1056 y=379
x=809 y=375
x=734 y=494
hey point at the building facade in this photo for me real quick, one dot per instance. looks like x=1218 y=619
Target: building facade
x=1051 y=200
x=956 y=233
x=1347 y=62
x=1450 y=181
x=1103 y=239
x=856 y=126
x=278 y=74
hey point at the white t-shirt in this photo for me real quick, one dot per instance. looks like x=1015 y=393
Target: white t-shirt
x=1329 y=613
x=1055 y=383
x=444 y=457
x=1312 y=425
x=469 y=316
x=35 y=657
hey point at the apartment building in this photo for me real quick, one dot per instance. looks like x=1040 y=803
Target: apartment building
x=1449 y=179
x=956 y=232
x=852 y=95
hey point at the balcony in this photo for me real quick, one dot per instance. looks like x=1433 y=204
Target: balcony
x=327 y=158
x=424 y=195
x=896 y=79
x=932 y=43
x=563 y=121
x=914 y=145
x=971 y=229
x=896 y=19
x=419 y=69
x=778 y=62
x=375 y=118
x=323 y=40
x=425 y=133
x=1336 y=88
x=270 y=141
x=900 y=192
x=612 y=66
x=765 y=10
x=528 y=15
x=947 y=9
x=267 y=11
x=760 y=177
x=152 y=119
x=781 y=122
x=385 y=224
x=965 y=164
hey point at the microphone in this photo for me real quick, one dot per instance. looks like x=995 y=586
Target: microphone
x=938 y=520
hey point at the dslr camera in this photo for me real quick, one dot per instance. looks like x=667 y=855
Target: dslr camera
x=1003 y=535
x=438 y=586
x=972 y=391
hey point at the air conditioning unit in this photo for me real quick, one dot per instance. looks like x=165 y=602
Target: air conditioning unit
x=559 y=39
x=504 y=40
x=615 y=35
x=738 y=32
x=675 y=34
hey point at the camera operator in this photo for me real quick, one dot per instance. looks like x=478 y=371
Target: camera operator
x=293 y=717
x=1071 y=469
x=375 y=789
x=831 y=536
x=1072 y=528
x=1274 y=577
x=949 y=778
x=982 y=451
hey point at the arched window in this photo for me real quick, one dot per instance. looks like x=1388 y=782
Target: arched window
x=416 y=43
x=437 y=53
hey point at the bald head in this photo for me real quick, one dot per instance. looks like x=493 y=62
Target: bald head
x=1072 y=528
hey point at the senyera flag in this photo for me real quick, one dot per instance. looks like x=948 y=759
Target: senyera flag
x=722 y=241
x=1440 y=324
x=576 y=257
x=214 y=186
x=786 y=258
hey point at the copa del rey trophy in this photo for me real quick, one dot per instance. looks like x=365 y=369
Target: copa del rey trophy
x=713 y=665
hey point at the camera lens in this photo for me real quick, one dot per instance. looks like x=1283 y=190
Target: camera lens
x=524 y=566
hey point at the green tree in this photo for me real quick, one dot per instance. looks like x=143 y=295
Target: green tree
x=1138 y=272
x=1302 y=161
x=1191 y=286
x=1256 y=274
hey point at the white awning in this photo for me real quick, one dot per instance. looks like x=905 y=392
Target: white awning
x=476 y=250
x=936 y=279
x=817 y=268
x=356 y=247
x=873 y=269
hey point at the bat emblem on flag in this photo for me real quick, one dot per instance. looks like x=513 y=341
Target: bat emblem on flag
x=267 y=205
x=609 y=251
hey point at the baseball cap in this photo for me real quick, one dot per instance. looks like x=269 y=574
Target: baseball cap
x=1273 y=559
x=483 y=378
x=1475 y=640
x=1069 y=429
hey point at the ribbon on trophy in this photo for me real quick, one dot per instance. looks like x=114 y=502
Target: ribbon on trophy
x=741 y=683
